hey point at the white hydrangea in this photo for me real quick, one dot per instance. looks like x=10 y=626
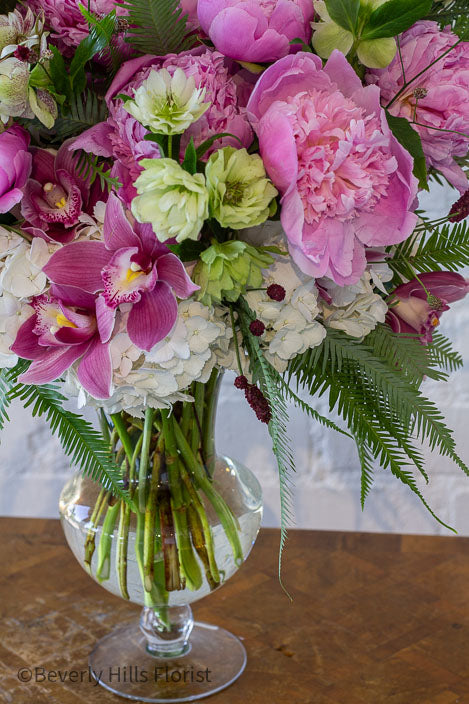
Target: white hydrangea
x=22 y=274
x=159 y=378
x=355 y=309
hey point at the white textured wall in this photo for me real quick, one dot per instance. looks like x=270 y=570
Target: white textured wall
x=33 y=468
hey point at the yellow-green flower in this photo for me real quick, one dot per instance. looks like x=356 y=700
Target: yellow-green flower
x=327 y=36
x=171 y=199
x=226 y=269
x=167 y=104
x=240 y=194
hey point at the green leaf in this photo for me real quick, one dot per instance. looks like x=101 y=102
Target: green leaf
x=96 y=41
x=410 y=140
x=188 y=250
x=302 y=43
x=161 y=140
x=394 y=17
x=190 y=158
x=91 y=167
x=85 y=446
x=344 y=13
x=157 y=26
x=205 y=146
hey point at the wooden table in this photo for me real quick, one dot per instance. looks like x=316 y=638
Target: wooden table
x=375 y=618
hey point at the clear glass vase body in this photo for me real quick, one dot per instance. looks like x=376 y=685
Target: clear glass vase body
x=191 y=521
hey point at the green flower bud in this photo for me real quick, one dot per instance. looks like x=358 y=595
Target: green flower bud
x=226 y=269
x=14 y=80
x=240 y=194
x=167 y=104
x=171 y=199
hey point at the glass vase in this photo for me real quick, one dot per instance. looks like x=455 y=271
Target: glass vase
x=190 y=523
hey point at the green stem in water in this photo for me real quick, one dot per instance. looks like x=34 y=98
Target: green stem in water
x=150 y=513
x=103 y=569
x=187 y=560
x=224 y=513
x=208 y=435
x=144 y=459
x=123 y=548
x=90 y=542
x=124 y=436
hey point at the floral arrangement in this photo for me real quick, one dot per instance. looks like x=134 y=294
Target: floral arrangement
x=228 y=184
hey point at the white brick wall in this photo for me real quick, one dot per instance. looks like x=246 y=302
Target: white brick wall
x=327 y=494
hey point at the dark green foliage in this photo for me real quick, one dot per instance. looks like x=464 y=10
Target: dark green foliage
x=374 y=385
x=441 y=248
x=157 y=26
x=84 y=111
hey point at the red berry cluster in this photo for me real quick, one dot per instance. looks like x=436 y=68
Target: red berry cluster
x=257 y=327
x=255 y=398
x=276 y=292
x=460 y=209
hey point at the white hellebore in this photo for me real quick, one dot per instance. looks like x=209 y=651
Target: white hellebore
x=167 y=104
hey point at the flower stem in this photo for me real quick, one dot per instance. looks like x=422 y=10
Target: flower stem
x=123 y=433
x=144 y=459
x=224 y=513
x=90 y=542
x=103 y=569
x=150 y=513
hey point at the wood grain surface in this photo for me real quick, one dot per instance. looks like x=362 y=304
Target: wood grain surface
x=374 y=619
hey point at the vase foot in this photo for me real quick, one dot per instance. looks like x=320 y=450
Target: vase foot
x=121 y=663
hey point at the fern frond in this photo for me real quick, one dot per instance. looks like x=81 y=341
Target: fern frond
x=442 y=354
x=366 y=464
x=90 y=167
x=157 y=26
x=268 y=380
x=8 y=380
x=84 y=112
x=84 y=445
x=444 y=248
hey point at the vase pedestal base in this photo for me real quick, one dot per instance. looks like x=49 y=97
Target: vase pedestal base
x=122 y=664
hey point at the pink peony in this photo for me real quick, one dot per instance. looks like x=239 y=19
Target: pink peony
x=439 y=97
x=66 y=22
x=346 y=182
x=418 y=310
x=256 y=30
x=15 y=166
x=226 y=92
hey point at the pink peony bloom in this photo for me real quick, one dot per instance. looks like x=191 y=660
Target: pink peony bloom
x=55 y=196
x=67 y=24
x=438 y=98
x=346 y=182
x=224 y=90
x=15 y=166
x=131 y=266
x=256 y=30
x=418 y=309
x=62 y=330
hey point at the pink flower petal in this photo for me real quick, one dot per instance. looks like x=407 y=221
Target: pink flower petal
x=172 y=270
x=95 y=370
x=26 y=344
x=79 y=264
x=106 y=318
x=95 y=140
x=118 y=232
x=52 y=364
x=153 y=317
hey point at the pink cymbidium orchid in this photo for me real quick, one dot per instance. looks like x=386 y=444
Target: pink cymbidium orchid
x=130 y=267
x=419 y=304
x=56 y=195
x=62 y=330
